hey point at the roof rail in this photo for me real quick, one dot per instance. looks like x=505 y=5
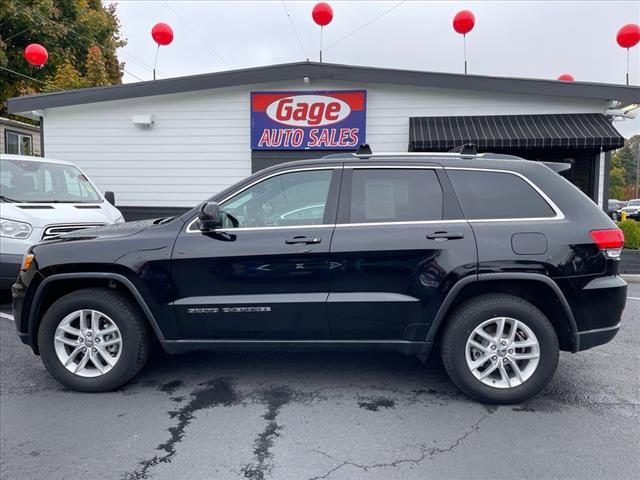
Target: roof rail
x=465 y=149
x=364 y=149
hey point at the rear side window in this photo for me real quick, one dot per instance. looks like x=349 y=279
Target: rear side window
x=496 y=195
x=395 y=195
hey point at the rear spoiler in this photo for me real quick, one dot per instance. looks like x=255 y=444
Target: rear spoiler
x=558 y=166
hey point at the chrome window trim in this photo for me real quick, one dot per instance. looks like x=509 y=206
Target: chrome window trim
x=396 y=167
x=190 y=228
x=558 y=213
x=417 y=222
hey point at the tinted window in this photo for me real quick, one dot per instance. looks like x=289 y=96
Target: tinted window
x=402 y=195
x=490 y=195
x=296 y=198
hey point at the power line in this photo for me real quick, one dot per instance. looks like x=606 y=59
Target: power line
x=197 y=35
x=294 y=29
x=26 y=76
x=362 y=26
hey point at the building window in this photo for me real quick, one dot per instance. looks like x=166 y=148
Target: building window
x=18 y=143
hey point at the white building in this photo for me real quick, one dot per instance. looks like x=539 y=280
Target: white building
x=165 y=145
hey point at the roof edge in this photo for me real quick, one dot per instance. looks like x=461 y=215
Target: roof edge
x=314 y=70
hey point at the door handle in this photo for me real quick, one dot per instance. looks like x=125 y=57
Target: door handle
x=302 y=240
x=442 y=236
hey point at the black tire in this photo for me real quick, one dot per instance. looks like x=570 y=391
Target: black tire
x=127 y=317
x=479 y=309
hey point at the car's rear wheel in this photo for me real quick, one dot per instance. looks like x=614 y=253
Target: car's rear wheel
x=500 y=349
x=93 y=340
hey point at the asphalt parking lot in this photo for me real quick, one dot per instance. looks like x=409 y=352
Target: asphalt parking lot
x=320 y=416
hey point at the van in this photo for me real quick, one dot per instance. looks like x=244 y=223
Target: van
x=40 y=199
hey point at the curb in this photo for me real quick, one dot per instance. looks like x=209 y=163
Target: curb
x=631 y=278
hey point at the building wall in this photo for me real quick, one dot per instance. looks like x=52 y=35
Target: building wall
x=20 y=127
x=199 y=143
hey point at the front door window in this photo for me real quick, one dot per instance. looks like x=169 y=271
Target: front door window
x=290 y=199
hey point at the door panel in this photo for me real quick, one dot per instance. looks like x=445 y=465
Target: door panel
x=269 y=278
x=389 y=281
x=252 y=284
x=393 y=256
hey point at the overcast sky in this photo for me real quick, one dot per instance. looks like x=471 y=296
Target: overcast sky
x=540 y=39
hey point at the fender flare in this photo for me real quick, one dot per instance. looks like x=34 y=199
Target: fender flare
x=487 y=277
x=44 y=285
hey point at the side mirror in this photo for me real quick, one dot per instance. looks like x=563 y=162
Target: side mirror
x=110 y=197
x=209 y=217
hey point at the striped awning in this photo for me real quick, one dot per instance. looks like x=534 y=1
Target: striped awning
x=511 y=132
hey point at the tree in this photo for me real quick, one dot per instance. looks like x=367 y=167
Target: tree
x=96 y=75
x=617 y=180
x=626 y=158
x=81 y=36
x=66 y=77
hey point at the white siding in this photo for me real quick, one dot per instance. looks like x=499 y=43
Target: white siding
x=199 y=143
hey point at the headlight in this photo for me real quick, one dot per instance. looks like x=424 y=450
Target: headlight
x=120 y=219
x=13 y=229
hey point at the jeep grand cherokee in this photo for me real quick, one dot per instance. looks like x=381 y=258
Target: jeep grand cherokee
x=498 y=260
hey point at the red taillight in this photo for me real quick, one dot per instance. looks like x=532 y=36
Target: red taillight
x=612 y=238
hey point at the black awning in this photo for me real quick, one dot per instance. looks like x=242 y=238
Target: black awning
x=514 y=132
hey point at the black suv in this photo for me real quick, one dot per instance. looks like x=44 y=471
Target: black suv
x=497 y=260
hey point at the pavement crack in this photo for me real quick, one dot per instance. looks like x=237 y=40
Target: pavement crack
x=275 y=398
x=425 y=452
x=217 y=392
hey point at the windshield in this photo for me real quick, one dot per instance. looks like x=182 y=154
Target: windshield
x=634 y=203
x=41 y=182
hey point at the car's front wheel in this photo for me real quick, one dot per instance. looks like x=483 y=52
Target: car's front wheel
x=499 y=349
x=93 y=340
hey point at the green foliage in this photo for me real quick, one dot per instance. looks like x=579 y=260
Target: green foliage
x=625 y=161
x=617 y=178
x=96 y=75
x=81 y=37
x=631 y=230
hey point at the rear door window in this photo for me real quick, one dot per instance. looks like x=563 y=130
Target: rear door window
x=395 y=195
x=487 y=195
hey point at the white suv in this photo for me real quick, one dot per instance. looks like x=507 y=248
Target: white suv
x=40 y=199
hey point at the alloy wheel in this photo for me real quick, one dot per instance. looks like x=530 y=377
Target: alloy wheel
x=502 y=352
x=88 y=343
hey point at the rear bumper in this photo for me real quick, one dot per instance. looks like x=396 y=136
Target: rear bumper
x=592 y=338
x=597 y=308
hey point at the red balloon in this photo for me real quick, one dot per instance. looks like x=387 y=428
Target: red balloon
x=322 y=14
x=629 y=35
x=162 y=33
x=464 y=22
x=36 y=54
x=566 y=77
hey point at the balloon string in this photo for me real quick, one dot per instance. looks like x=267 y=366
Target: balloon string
x=321 y=30
x=627 y=66
x=155 y=62
x=464 y=43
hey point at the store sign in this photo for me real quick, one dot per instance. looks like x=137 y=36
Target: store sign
x=327 y=120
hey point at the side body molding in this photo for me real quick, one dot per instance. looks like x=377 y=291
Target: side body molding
x=37 y=299
x=487 y=277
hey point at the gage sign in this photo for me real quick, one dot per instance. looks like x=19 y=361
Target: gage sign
x=322 y=120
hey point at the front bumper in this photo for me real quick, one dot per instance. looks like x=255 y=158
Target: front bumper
x=9 y=269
